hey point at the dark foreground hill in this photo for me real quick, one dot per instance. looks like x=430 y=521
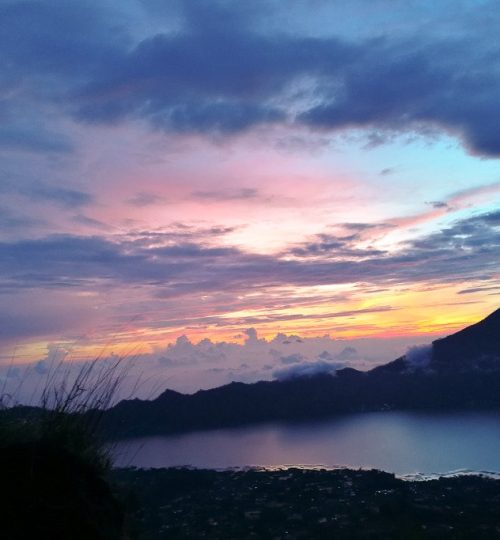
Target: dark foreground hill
x=461 y=371
x=50 y=493
x=54 y=480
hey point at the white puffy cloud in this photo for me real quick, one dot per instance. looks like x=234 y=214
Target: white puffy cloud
x=307 y=369
x=419 y=356
x=186 y=366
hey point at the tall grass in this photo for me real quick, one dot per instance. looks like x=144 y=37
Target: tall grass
x=69 y=412
x=53 y=463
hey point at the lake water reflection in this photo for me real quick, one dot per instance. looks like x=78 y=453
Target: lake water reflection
x=399 y=442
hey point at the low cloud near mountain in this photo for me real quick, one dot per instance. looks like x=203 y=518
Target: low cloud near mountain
x=186 y=366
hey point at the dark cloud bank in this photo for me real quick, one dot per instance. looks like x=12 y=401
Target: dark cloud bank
x=174 y=266
x=216 y=71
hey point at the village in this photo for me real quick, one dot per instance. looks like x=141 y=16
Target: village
x=307 y=503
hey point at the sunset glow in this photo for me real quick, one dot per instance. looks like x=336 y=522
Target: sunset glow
x=324 y=178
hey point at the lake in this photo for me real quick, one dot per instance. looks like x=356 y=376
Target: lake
x=399 y=442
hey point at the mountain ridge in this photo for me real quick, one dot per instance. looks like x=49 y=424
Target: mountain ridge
x=462 y=371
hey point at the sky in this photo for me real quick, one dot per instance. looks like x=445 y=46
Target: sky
x=226 y=190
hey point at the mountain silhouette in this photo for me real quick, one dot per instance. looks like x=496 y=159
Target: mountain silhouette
x=477 y=346
x=461 y=371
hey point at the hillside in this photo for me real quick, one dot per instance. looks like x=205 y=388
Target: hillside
x=462 y=372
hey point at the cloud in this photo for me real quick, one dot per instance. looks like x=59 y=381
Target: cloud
x=33 y=140
x=224 y=118
x=41 y=367
x=82 y=219
x=473 y=290
x=418 y=356
x=97 y=100
x=41 y=192
x=336 y=246
x=251 y=335
x=144 y=198
x=292 y=359
x=188 y=366
x=12 y=220
x=27 y=313
x=93 y=64
x=13 y=372
x=407 y=86
x=167 y=362
x=307 y=369
x=349 y=353
x=438 y=204
x=466 y=248
x=66 y=198
x=244 y=194
x=477 y=234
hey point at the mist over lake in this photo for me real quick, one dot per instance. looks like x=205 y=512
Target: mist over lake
x=399 y=442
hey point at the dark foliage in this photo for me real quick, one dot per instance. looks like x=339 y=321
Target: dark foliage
x=54 y=467
x=52 y=493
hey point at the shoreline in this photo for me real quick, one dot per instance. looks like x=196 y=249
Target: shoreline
x=408 y=477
